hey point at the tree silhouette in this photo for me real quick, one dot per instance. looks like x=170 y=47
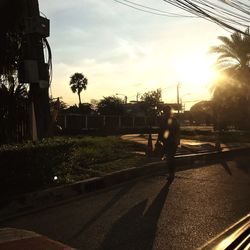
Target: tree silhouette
x=77 y=83
x=234 y=55
x=202 y=112
x=150 y=104
x=234 y=62
x=110 y=105
x=12 y=100
x=229 y=104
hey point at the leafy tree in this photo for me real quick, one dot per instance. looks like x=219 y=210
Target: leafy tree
x=151 y=102
x=77 y=83
x=229 y=105
x=84 y=109
x=110 y=105
x=151 y=105
x=57 y=103
x=202 y=112
x=94 y=104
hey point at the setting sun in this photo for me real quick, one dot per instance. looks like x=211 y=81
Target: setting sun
x=195 y=70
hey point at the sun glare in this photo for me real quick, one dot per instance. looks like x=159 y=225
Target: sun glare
x=195 y=71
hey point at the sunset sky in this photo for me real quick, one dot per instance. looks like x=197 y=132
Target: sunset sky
x=122 y=50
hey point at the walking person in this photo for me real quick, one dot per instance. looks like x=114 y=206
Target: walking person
x=169 y=136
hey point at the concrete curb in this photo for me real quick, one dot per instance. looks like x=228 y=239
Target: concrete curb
x=54 y=196
x=12 y=238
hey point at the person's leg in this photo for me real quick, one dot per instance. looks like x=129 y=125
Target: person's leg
x=171 y=162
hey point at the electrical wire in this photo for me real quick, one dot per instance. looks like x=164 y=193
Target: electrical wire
x=49 y=62
x=151 y=10
x=232 y=14
x=43 y=14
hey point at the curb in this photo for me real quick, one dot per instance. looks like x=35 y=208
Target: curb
x=40 y=200
x=12 y=238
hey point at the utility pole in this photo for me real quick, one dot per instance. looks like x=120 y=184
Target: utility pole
x=137 y=97
x=33 y=69
x=178 y=97
x=126 y=99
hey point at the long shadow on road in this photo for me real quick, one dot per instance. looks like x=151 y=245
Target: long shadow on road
x=243 y=165
x=226 y=167
x=137 y=229
x=108 y=205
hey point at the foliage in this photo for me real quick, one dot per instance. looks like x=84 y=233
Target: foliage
x=84 y=108
x=110 y=105
x=202 y=112
x=32 y=166
x=151 y=103
x=232 y=93
x=78 y=82
x=72 y=109
x=62 y=105
x=94 y=104
x=13 y=97
x=229 y=104
x=234 y=55
x=9 y=52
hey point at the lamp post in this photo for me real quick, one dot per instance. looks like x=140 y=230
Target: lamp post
x=125 y=97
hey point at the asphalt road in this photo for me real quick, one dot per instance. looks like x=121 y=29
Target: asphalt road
x=147 y=214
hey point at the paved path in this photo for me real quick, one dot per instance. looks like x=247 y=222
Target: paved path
x=187 y=146
x=145 y=214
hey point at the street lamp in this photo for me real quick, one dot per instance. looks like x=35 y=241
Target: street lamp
x=125 y=97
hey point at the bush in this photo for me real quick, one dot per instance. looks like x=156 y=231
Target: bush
x=32 y=166
x=28 y=168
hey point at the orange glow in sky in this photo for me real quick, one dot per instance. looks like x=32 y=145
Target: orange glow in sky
x=195 y=71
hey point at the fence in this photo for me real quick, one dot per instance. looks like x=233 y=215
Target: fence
x=77 y=122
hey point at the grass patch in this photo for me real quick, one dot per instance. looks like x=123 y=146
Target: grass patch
x=31 y=166
x=119 y=164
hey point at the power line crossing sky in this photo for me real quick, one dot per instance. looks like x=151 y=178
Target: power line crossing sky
x=123 y=50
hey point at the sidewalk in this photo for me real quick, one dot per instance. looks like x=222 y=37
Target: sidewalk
x=188 y=146
x=13 y=239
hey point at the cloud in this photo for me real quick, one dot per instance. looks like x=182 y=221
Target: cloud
x=117 y=47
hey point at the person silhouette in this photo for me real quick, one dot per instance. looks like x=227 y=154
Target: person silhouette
x=169 y=136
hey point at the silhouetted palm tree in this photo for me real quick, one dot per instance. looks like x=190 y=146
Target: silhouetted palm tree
x=234 y=55
x=12 y=100
x=78 y=82
x=234 y=61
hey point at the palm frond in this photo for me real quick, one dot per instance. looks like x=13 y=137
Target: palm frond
x=225 y=40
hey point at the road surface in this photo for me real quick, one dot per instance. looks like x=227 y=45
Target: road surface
x=145 y=214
